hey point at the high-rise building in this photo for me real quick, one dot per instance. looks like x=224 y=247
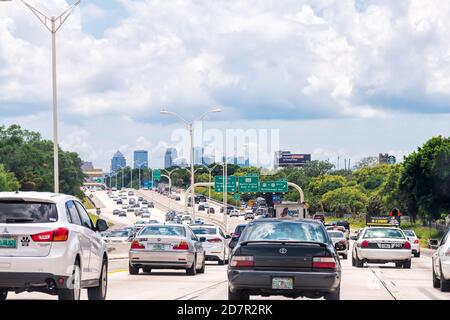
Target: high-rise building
x=169 y=158
x=118 y=161
x=140 y=159
x=180 y=162
x=198 y=155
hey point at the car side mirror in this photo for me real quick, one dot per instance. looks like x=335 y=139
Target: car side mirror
x=101 y=225
x=354 y=238
x=228 y=236
x=202 y=239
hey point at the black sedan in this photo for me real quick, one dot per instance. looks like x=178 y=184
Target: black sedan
x=284 y=258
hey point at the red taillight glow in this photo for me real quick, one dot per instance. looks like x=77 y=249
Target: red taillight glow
x=181 y=246
x=407 y=245
x=136 y=245
x=58 y=235
x=324 y=263
x=365 y=244
x=242 y=261
x=416 y=241
x=215 y=240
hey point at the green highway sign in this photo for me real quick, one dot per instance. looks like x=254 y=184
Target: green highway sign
x=237 y=197
x=274 y=186
x=249 y=184
x=231 y=184
x=156 y=175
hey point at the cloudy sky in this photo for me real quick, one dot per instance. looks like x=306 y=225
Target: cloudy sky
x=348 y=78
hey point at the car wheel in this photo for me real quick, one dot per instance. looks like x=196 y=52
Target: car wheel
x=202 y=269
x=359 y=263
x=221 y=262
x=445 y=284
x=407 y=264
x=334 y=296
x=399 y=265
x=99 y=293
x=3 y=295
x=74 y=284
x=147 y=269
x=238 y=295
x=344 y=257
x=353 y=261
x=133 y=270
x=192 y=271
x=436 y=281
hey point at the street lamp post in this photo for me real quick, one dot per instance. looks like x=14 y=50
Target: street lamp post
x=140 y=168
x=53 y=24
x=190 y=127
x=169 y=176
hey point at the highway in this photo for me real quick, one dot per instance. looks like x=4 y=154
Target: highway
x=374 y=282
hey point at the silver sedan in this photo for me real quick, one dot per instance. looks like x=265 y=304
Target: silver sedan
x=167 y=246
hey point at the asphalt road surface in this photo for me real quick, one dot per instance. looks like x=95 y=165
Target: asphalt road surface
x=374 y=282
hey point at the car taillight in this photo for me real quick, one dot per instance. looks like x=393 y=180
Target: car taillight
x=58 y=235
x=324 y=263
x=136 y=245
x=181 y=246
x=242 y=261
x=365 y=244
x=416 y=241
x=215 y=240
x=407 y=245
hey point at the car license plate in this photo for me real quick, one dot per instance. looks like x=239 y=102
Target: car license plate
x=385 y=245
x=8 y=242
x=159 y=247
x=282 y=283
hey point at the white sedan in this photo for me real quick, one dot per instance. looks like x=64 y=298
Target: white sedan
x=441 y=264
x=415 y=242
x=382 y=245
x=216 y=245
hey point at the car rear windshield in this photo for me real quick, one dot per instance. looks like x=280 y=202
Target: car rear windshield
x=122 y=234
x=336 y=234
x=383 y=233
x=284 y=230
x=27 y=212
x=409 y=233
x=204 y=230
x=239 y=229
x=163 y=231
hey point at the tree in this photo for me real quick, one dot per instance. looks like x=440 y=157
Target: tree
x=425 y=182
x=346 y=200
x=30 y=158
x=366 y=162
x=8 y=181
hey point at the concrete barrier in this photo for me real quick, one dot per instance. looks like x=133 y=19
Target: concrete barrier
x=118 y=250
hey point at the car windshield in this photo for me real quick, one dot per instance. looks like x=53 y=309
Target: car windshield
x=204 y=230
x=239 y=229
x=284 y=230
x=163 y=231
x=409 y=233
x=27 y=212
x=336 y=234
x=383 y=233
x=120 y=233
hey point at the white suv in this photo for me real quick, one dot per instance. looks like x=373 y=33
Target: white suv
x=49 y=244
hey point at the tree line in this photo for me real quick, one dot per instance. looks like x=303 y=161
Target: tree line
x=26 y=163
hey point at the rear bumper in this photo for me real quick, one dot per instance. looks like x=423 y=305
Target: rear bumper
x=384 y=255
x=161 y=260
x=27 y=281
x=305 y=283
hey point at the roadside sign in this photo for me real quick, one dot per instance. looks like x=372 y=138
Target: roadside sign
x=274 y=187
x=276 y=199
x=231 y=184
x=237 y=197
x=249 y=184
x=148 y=184
x=392 y=160
x=156 y=175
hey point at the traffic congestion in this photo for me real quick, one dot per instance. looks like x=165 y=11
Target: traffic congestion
x=51 y=246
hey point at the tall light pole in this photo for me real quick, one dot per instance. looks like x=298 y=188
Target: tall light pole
x=169 y=176
x=190 y=128
x=53 y=24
